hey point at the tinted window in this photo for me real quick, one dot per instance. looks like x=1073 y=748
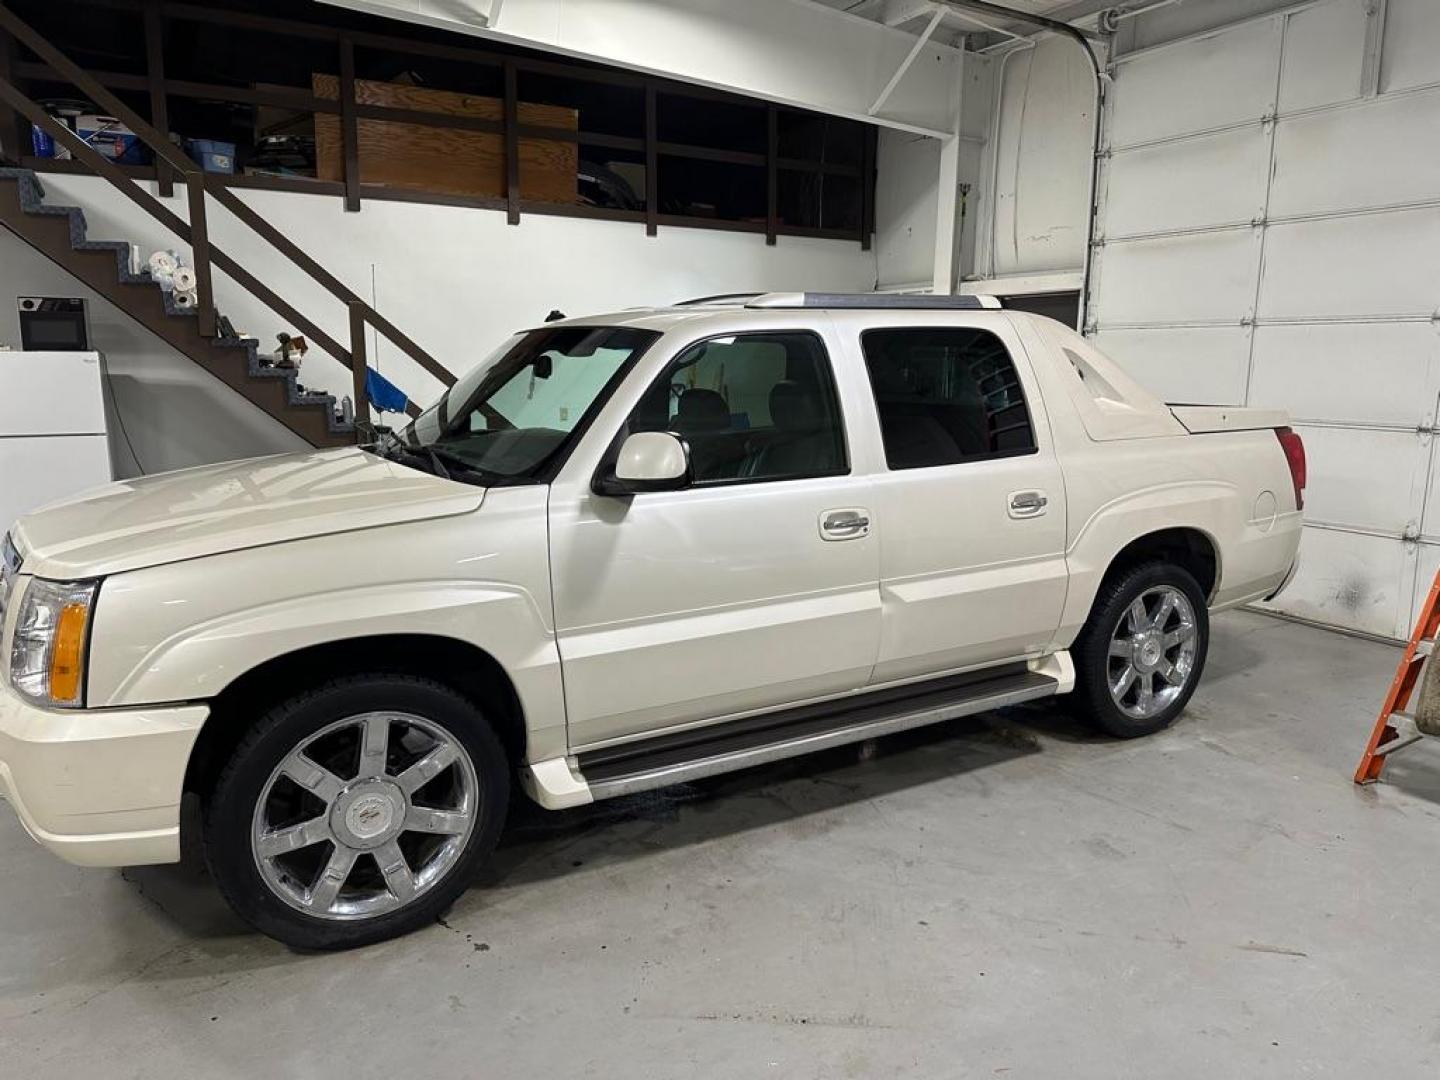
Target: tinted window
x=752 y=407
x=946 y=396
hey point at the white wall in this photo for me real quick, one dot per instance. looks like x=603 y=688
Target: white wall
x=455 y=280
x=908 y=218
x=906 y=209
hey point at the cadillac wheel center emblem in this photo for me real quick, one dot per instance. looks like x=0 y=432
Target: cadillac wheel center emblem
x=370 y=816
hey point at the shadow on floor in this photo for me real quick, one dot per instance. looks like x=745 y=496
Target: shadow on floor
x=1415 y=771
x=540 y=845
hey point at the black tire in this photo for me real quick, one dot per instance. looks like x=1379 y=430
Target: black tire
x=230 y=806
x=1091 y=651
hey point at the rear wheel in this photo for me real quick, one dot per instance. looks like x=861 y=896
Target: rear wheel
x=356 y=812
x=1139 y=658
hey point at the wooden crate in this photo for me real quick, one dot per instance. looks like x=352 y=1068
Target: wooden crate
x=446 y=161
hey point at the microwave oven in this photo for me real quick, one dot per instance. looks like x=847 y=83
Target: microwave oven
x=54 y=324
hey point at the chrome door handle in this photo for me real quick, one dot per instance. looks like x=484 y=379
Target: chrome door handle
x=844 y=524
x=1025 y=504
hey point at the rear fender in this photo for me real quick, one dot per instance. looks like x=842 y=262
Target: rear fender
x=1208 y=507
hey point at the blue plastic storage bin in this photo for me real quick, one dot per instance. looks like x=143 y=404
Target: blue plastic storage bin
x=212 y=155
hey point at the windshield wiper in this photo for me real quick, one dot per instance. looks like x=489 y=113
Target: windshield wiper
x=442 y=463
x=436 y=465
x=450 y=465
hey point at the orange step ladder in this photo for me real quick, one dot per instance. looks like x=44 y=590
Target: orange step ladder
x=1395 y=729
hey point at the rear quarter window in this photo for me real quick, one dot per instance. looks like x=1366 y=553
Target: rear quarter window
x=946 y=396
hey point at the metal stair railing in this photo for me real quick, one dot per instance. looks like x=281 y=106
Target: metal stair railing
x=196 y=233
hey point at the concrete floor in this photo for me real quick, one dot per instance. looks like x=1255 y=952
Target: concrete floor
x=1003 y=896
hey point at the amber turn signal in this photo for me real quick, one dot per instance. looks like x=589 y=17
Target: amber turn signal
x=67 y=656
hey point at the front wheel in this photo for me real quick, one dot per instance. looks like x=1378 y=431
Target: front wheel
x=356 y=812
x=1140 y=655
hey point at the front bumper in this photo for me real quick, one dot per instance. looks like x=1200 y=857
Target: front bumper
x=98 y=787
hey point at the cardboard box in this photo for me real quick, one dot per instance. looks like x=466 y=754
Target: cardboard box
x=112 y=139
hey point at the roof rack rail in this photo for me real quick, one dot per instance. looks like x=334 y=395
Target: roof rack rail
x=717 y=298
x=875 y=301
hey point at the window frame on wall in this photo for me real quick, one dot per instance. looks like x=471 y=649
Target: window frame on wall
x=346 y=32
x=825 y=370
x=1015 y=383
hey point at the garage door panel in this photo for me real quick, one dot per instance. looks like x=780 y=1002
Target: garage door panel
x=1324 y=55
x=1208 y=277
x=1430 y=518
x=1412 y=42
x=1364 y=156
x=1222 y=78
x=1326 y=306
x=1364 y=582
x=1209 y=180
x=1427 y=562
x=1364 y=478
x=1368 y=373
x=1364 y=265
x=1195 y=365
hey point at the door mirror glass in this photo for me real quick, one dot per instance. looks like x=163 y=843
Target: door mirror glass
x=648 y=461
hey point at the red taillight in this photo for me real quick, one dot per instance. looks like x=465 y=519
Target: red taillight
x=1294 y=457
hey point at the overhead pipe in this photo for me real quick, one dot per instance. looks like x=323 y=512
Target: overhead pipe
x=1110 y=20
x=1084 y=40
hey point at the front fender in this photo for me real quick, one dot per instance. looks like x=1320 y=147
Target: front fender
x=186 y=631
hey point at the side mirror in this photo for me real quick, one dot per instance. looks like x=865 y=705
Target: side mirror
x=648 y=461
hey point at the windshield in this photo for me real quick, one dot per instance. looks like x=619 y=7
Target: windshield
x=509 y=416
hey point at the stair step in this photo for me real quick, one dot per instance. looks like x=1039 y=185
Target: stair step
x=260 y=371
x=32 y=191
x=78 y=226
x=172 y=308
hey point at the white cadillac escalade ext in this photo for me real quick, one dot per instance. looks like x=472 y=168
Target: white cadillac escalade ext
x=622 y=552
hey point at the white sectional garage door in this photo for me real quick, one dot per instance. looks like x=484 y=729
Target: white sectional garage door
x=1270 y=226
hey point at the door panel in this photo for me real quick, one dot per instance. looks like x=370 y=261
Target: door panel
x=690 y=605
x=963 y=582
x=754 y=588
x=972 y=509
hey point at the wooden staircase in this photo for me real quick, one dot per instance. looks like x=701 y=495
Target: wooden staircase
x=60 y=234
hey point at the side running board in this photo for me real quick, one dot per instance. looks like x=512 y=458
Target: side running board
x=755 y=740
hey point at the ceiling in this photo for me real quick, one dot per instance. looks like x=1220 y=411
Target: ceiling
x=912 y=16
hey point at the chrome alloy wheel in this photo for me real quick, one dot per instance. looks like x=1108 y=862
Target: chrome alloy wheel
x=365 y=815
x=1152 y=652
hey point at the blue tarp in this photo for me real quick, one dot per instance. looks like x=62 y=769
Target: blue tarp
x=383 y=394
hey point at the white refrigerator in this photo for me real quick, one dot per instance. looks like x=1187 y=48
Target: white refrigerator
x=53 y=440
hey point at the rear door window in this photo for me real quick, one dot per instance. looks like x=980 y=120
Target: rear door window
x=946 y=396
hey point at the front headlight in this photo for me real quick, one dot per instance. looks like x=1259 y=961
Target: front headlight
x=52 y=635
